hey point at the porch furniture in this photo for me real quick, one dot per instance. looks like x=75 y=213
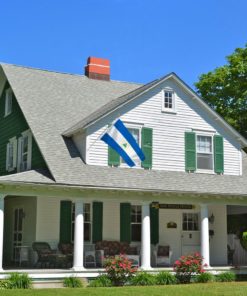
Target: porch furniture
x=161 y=256
x=46 y=256
x=89 y=255
x=22 y=254
x=67 y=250
x=106 y=249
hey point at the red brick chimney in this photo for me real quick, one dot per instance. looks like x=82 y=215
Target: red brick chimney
x=98 y=68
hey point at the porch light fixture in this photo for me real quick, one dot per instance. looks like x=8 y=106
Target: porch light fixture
x=211 y=219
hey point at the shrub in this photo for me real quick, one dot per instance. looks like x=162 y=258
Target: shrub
x=143 y=279
x=226 y=277
x=205 y=277
x=188 y=265
x=4 y=284
x=165 y=278
x=19 y=281
x=101 y=281
x=243 y=240
x=119 y=270
x=72 y=282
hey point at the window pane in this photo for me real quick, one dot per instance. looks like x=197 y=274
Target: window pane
x=136 y=232
x=204 y=144
x=135 y=133
x=87 y=231
x=190 y=221
x=205 y=161
x=168 y=103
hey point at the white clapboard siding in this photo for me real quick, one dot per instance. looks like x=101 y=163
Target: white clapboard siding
x=168 y=130
x=48 y=219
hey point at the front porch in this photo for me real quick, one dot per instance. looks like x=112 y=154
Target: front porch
x=184 y=224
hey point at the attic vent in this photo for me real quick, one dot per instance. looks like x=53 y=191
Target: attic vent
x=98 y=68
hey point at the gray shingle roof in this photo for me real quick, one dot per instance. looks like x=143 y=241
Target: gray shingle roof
x=109 y=107
x=50 y=102
x=33 y=176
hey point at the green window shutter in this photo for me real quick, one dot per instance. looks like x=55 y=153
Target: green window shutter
x=113 y=157
x=97 y=221
x=218 y=154
x=125 y=222
x=65 y=221
x=147 y=147
x=154 y=221
x=190 y=151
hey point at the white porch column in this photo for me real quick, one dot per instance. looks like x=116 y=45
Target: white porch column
x=145 y=242
x=78 y=236
x=205 y=235
x=1 y=229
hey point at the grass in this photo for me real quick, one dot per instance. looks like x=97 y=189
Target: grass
x=220 y=289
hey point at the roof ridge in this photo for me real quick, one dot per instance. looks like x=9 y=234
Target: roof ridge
x=67 y=73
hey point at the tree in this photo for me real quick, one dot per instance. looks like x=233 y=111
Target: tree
x=225 y=89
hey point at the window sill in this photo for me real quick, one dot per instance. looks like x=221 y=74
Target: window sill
x=6 y=115
x=171 y=111
x=205 y=172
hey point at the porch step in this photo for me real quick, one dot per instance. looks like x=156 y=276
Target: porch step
x=54 y=283
x=47 y=284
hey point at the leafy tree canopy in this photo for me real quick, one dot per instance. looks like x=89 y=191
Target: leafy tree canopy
x=225 y=89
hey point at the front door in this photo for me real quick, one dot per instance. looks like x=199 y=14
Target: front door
x=17 y=232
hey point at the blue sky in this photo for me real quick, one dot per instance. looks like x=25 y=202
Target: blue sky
x=143 y=39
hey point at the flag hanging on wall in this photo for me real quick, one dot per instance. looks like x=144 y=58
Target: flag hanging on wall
x=121 y=140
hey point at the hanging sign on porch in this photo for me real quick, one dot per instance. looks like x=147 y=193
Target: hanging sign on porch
x=172 y=206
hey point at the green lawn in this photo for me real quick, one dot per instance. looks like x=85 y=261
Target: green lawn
x=236 y=288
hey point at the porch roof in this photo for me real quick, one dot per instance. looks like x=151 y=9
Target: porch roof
x=136 y=179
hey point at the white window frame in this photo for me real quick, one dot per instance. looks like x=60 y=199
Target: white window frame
x=198 y=221
x=12 y=142
x=27 y=134
x=132 y=223
x=210 y=135
x=174 y=106
x=85 y=221
x=8 y=101
x=139 y=128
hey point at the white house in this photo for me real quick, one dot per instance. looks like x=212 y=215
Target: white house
x=61 y=184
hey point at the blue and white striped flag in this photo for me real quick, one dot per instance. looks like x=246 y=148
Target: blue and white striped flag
x=121 y=140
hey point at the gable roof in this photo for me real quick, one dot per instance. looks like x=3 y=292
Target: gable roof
x=119 y=102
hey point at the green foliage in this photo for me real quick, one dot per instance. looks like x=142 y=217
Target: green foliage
x=4 y=284
x=72 y=282
x=143 y=279
x=205 y=277
x=225 y=89
x=226 y=277
x=186 y=266
x=100 y=281
x=243 y=240
x=119 y=270
x=165 y=278
x=19 y=281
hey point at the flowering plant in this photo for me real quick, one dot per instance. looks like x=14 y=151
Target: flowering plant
x=188 y=265
x=119 y=269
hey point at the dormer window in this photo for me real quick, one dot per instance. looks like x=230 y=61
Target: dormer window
x=168 y=101
x=8 y=101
